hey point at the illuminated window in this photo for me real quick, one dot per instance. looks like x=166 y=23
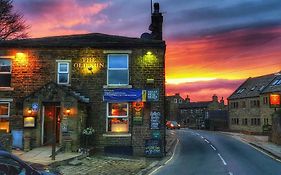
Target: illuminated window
x=5 y=72
x=63 y=73
x=4 y=125
x=117 y=69
x=4 y=109
x=117 y=117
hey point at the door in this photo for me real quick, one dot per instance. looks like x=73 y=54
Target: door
x=51 y=123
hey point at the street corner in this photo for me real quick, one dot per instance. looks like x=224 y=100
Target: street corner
x=104 y=165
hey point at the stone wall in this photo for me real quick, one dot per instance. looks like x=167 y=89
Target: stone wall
x=6 y=141
x=40 y=68
x=276 y=128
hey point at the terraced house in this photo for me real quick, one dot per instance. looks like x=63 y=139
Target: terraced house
x=56 y=87
x=249 y=108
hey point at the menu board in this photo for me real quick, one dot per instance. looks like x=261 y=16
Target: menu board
x=152 y=95
x=155 y=120
x=153 y=147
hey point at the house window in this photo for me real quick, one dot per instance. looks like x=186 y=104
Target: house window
x=118 y=69
x=175 y=100
x=243 y=105
x=117 y=117
x=5 y=72
x=265 y=100
x=4 y=109
x=63 y=73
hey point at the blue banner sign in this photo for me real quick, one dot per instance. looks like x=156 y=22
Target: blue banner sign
x=122 y=95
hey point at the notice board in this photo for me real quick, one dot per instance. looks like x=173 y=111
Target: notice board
x=153 y=147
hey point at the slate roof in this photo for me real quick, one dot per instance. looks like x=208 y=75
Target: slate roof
x=202 y=104
x=255 y=86
x=65 y=89
x=83 y=40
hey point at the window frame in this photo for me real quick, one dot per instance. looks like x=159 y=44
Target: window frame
x=9 y=108
x=7 y=73
x=108 y=69
x=119 y=117
x=59 y=62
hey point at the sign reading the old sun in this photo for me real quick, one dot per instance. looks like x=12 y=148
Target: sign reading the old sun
x=89 y=65
x=274 y=100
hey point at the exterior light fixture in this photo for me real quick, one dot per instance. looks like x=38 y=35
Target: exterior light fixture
x=148 y=53
x=29 y=111
x=67 y=111
x=21 y=58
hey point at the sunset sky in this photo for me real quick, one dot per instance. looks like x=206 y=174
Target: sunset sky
x=212 y=45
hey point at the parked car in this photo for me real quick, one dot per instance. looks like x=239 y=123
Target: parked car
x=12 y=165
x=173 y=125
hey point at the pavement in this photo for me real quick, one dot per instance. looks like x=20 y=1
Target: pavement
x=81 y=164
x=42 y=156
x=260 y=142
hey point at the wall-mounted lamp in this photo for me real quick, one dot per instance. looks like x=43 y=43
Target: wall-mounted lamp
x=21 y=58
x=29 y=111
x=67 y=111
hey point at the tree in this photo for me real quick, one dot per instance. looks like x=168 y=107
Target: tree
x=12 y=24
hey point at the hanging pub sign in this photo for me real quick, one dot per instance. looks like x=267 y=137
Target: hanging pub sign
x=153 y=148
x=152 y=95
x=155 y=118
x=138 y=112
x=274 y=100
x=122 y=95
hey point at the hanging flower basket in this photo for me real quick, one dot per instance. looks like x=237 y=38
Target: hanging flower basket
x=88 y=131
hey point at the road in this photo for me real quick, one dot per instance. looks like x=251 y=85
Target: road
x=213 y=153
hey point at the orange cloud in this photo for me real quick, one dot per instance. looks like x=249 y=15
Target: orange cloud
x=234 y=55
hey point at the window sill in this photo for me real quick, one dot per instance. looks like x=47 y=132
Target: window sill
x=116 y=86
x=6 y=89
x=117 y=135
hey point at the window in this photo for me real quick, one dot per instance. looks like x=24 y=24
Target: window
x=175 y=100
x=117 y=117
x=243 y=104
x=63 y=73
x=180 y=101
x=5 y=72
x=254 y=103
x=245 y=121
x=240 y=91
x=265 y=100
x=275 y=82
x=261 y=88
x=117 y=69
x=265 y=121
x=4 y=109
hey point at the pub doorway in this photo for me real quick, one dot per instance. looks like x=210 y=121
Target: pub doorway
x=51 y=123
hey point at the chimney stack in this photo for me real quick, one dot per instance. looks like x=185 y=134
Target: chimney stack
x=156 y=23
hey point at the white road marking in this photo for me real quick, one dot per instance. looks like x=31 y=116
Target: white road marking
x=167 y=160
x=202 y=137
x=230 y=173
x=213 y=147
x=207 y=141
x=244 y=141
x=222 y=159
x=197 y=134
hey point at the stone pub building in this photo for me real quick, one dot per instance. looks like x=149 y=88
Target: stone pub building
x=56 y=87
